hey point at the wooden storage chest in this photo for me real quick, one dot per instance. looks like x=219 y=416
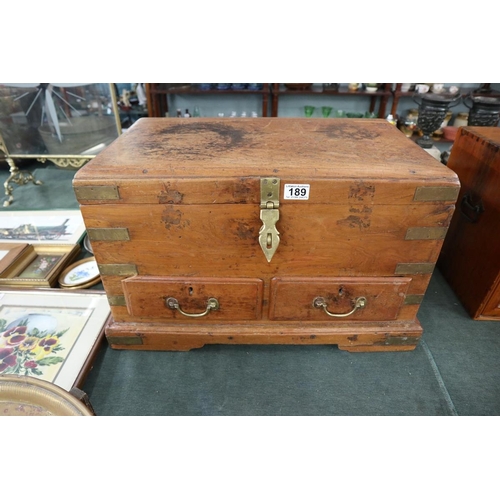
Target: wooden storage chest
x=271 y=231
x=470 y=258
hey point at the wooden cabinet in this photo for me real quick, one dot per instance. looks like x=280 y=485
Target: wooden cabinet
x=388 y=99
x=470 y=258
x=267 y=231
x=157 y=95
x=380 y=97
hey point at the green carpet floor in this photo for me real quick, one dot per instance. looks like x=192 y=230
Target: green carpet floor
x=455 y=370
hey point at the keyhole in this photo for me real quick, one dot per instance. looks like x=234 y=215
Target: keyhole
x=190 y=290
x=341 y=291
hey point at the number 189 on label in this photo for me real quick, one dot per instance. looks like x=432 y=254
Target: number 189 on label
x=296 y=192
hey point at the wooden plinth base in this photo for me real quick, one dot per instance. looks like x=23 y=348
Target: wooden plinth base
x=366 y=337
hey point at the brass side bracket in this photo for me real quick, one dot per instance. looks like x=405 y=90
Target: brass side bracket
x=269 y=237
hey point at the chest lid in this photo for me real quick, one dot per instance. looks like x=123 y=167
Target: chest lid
x=211 y=161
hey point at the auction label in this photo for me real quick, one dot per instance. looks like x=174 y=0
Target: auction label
x=296 y=191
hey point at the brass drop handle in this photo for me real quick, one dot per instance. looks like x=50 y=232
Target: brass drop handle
x=212 y=305
x=359 y=303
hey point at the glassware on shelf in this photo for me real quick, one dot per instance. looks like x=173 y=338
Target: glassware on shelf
x=205 y=86
x=220 y=115
x=407 y=126
x=340 y=113
x=331 y=87
x=325 y=111
x=223 y=86
x=255 y=86
x=309 y=110
x=437 y=88
x=196 y=111
x=392 y=119
x=412 y=114
x=371 y=87
x=408 y=123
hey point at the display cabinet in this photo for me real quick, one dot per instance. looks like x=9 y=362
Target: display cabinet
x=66 y=123
x=377 y=97
x=158 y=94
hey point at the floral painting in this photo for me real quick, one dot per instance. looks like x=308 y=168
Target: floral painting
x=41 y=266
x=37 y=341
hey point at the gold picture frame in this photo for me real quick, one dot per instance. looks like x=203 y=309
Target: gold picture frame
x=83 y=273
x=9 y=253
x=40 y=266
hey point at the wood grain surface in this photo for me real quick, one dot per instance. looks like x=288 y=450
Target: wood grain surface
x=159 y=159
x=186 y=194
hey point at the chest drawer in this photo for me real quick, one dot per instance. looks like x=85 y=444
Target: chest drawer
x=198 y=298
x=336 y=299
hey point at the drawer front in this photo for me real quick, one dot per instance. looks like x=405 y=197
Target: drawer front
x=156 y=296
x=352 y=299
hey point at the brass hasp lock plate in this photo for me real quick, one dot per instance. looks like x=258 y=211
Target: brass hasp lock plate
x=269 y=237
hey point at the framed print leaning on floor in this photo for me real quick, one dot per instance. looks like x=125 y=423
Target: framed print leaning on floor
x=50 y=334
x=40 y=266
x=41 y=226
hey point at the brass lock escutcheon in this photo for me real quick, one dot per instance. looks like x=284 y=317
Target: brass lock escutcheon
x=269 y=237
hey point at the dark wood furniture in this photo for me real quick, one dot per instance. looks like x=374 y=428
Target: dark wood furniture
x=268 y=231
x=388 y=94
x=382 y=96
x=157 y=95
x=470 y=258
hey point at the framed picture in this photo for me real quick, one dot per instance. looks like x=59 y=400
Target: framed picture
x=9 y=253
x=40 y=266
x=82 y=274
x=51 y=335
x=65 y=123
x=58 y=120
x=42 y=226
